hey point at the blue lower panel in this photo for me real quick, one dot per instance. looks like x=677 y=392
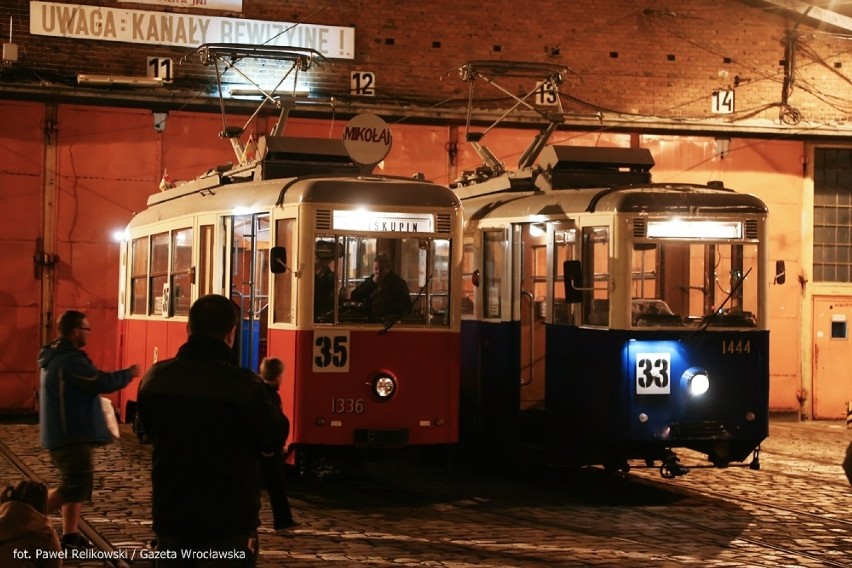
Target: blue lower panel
x=490 y=397
x=612 y=394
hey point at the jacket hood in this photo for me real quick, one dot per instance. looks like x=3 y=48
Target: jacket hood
x=52 y=350
x=18 y=520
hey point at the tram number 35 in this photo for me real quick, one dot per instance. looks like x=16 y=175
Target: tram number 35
x=331 y=352
x=653 y=373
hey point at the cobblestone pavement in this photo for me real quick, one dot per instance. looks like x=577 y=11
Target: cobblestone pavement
x=398 y=512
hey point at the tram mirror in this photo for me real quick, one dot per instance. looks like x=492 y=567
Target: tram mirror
x=780 y=272
x=277 y=260
x=475 y=278
x=572 y=272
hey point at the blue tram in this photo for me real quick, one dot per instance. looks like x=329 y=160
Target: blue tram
x=607 y=318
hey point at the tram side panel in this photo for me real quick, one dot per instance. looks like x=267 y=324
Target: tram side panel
x=586 y=396
x=490 y=391
x=146 y=341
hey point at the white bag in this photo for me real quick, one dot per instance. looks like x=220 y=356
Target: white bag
x=109 y=416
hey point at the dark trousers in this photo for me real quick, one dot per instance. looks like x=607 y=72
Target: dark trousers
x=273 y=478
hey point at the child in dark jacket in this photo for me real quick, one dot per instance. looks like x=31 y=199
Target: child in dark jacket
x=273 y=472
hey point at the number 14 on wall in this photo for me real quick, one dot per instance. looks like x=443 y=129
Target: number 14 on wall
x=723 y=102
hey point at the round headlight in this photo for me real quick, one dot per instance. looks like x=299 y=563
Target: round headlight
x=695 y=381
x=384 y=386
x=699 y=384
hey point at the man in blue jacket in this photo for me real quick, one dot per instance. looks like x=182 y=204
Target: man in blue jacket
x=71 y=418
x=209 y=421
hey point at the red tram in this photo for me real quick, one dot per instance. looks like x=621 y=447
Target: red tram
x=288 y=236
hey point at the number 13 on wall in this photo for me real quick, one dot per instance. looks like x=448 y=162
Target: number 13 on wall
x=331 y=352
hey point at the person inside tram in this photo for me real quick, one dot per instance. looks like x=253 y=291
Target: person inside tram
x=323 y=288
x=385 y=292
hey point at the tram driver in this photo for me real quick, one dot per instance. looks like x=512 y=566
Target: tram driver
x=383 y=293
x=323 y=287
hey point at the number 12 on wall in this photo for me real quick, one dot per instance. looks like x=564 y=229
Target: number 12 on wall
x=362 y=83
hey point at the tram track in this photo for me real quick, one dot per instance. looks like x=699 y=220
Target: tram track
x=106 y=552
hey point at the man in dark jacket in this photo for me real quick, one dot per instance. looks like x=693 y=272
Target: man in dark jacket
x=384 y=293
x=71 y=419
x=208 y=421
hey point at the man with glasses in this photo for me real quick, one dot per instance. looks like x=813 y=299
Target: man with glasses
x=71 y=418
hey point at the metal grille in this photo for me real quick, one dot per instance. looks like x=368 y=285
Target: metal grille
x=323 y=222
x=751 y=228
x=638 y=228
x=443 y=224
x=832 y=215
x=707 y=429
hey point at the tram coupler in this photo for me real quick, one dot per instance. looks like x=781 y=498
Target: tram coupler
x=671 y=467
x=755 y=460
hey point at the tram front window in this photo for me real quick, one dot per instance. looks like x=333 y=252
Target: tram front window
x=403 y=281
x=678 y=284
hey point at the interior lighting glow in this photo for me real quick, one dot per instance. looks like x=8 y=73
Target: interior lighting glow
x=240 y=210
x=683 y=229
x=537 y=230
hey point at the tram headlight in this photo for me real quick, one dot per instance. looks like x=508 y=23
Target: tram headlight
x=384 y=386
x=696 y=381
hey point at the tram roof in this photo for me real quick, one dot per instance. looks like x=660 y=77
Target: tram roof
x=650 y=198
x=385 y=191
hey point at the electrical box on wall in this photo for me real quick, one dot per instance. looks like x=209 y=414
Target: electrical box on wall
x=10 y=52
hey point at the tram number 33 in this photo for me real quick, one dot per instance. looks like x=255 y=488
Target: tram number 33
x=331 y=352
x=653 y=373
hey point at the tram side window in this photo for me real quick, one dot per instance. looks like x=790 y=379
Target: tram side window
x=181 y=272
x=139 y=277
x=563 y=249
x=596 y=275
x=159 y=275
x=205 y=262
x=439 y=283
x=468 y=289
x=283 y=281
x=492 y=280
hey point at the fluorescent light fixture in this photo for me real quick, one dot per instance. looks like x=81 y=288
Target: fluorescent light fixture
x=119 y=80
x=680 y=229
x=253 y=92
x=372 y=221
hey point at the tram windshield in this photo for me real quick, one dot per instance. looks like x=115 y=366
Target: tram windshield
x=385 y=280
x=700 y=284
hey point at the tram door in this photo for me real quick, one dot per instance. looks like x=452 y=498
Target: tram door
x=832 y=351
x=249 y=285
x=529 y=307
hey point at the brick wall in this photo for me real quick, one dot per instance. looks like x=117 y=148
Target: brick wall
x=635 y=59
